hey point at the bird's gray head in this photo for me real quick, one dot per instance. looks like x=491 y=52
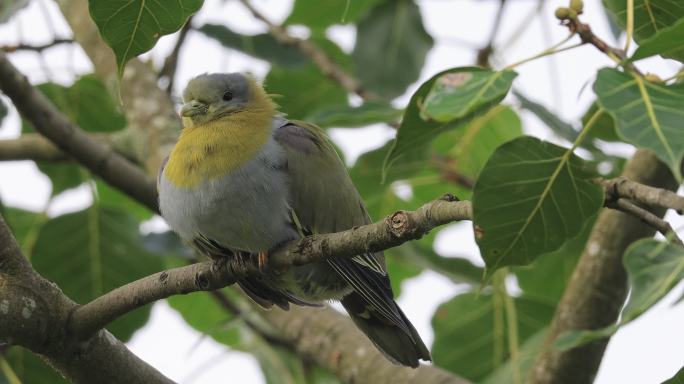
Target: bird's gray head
x=212 y=96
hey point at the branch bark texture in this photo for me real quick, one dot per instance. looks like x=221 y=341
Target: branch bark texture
x=598 y=287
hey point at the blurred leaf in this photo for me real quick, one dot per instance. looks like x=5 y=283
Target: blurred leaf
x=9 y=8
x=467 y=341
x=132 y=27
x=558 y=126
x=63 y=175
x=546 y=278
x=21 y=222
x=202 y=312
x=455 y=96
x=604 y=127
x=321 y=14
x=530 y=199
x=484 y=89
x=527 y=354
x=90 y=252
x=666 y=42
x=113 y=198
x=303 y=90
x=650 y=16
x=344 y=116
x=648 y=115
x=469 y=146
x=421 y=254
x=399 y=270
x=653 y=269
x=678 y=378
x=391 y=46
x=29 y=368
x=263 y=46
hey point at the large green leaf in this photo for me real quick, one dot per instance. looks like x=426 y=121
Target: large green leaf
x=526 y=356
x=113 y=198
x=469 y=91
x=391 y=46
x=87 y=102
x=650 y=16
x=647 y=115
x=263 y=46
x=24 y=224
x=530 y=199
x=317 y=14
x=28 y=368
x=653 y=269
x=90 y=252
x=667 y=42
x=470 y=332
x=132 y=27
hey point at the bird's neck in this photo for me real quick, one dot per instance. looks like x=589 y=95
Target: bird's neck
x=215 y=149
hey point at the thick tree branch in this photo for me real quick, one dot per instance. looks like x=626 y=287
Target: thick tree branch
x=47 y=120
x=622 y=187
x=31 y=146
x=394 y=230
x=598 y=286
x=35 y=314
x=313 y=52
x=332 y=341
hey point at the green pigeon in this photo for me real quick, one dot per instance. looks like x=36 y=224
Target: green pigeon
x=243 y=179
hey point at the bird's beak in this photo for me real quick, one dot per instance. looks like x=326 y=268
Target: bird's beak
x=192 y=108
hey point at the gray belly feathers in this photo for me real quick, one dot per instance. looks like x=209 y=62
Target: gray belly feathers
x=248 y=210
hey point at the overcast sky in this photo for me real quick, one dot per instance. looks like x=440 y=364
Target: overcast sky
x=649 y=350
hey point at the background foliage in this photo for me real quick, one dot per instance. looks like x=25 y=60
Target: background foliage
x=534 y=202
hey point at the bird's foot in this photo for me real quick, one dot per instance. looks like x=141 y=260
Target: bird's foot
x=262 y=261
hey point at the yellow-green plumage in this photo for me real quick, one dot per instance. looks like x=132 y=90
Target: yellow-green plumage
x=244 y=179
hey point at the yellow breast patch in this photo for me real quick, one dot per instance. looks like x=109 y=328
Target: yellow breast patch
x=215 y=149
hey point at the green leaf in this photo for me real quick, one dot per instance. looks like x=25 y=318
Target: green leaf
x=650 y=17
x=678 y=378
x=666 y=42
x=303 y=89
x=132 y=27
x=344 y=116
x=468 y=340
x=546 y=278
x=263 y=46
x=530 y=199
x=90 y=252
x=482 y=88
x=86 y=102
x=391 y=46
x=653 y=269
x=321 y=14
x=203 y=312
x=63 y=175
x=454 y=96
x=557 y=125
x=399 y=270
x=604 y=128
x=22 y=223
x=29 y=368
x=647 y=115
x=527 y=354
x=113 y=198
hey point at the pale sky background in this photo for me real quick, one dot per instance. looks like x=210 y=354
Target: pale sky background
x=649 y=350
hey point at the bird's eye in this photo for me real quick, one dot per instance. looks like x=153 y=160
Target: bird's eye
x=228 y=96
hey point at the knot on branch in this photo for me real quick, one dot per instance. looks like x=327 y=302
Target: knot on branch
x=202 y=280
x=398 y=223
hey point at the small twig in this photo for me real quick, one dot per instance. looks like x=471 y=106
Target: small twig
x=171 y=63
x=647 y=217
x=394 y=230
x=588 y=37
x=622 y=187
x=449 y=172
x=36 y=48
x=313 y=52
x=485 y=52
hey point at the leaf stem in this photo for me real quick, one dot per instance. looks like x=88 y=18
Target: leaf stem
x=587 y=127
x=9 y=373
x=548 y=51
x=630 y=24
